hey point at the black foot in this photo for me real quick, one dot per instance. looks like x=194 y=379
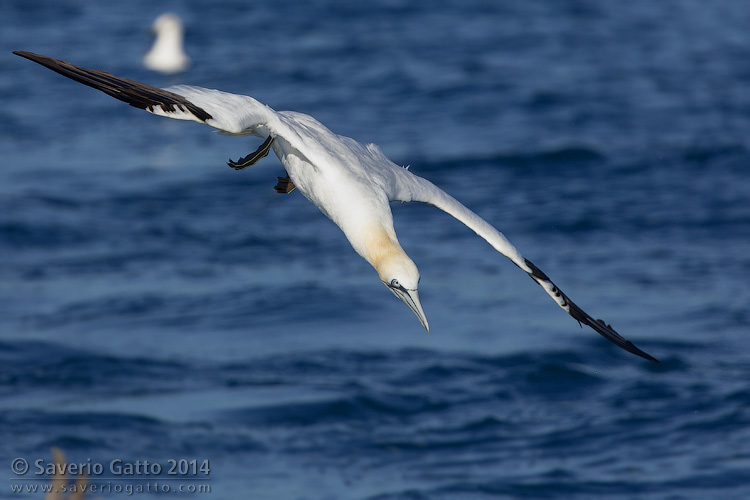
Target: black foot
x=254 y=157
x=284 y=186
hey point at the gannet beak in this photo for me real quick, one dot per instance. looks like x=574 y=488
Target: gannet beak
x=411 y=299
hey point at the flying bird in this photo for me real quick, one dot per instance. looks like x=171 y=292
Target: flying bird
x=351 y=183
x=167 y=55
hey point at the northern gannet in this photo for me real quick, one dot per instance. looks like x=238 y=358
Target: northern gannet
x=167 y=54
x=351 y=183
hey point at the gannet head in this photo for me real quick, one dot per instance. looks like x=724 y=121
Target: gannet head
x=167 y=24
x=377 y=243
x=401 y=276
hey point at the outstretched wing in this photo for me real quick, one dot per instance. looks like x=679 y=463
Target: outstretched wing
x=232 y=113
x=414 y=188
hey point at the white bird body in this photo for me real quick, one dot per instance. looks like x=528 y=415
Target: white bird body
x=349 y=182
x=167 y=54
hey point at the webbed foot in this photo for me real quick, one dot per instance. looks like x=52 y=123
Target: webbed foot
x=285 y=185
x=253 y=157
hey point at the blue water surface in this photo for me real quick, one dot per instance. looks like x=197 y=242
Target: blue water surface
x=156 y=305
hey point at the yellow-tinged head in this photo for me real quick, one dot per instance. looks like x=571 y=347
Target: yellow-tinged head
x=397 y=271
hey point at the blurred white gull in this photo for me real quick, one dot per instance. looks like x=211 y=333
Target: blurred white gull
x=349 y=182
x=167 y=54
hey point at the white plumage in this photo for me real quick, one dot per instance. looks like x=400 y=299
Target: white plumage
x=167 y=55
x=349 y=182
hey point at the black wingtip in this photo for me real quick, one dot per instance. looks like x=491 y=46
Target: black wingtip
x=640 y=353
x=598 y=325
x=30 y=56
x=606 y=331
x=40 y=59
x=136 y=94
x=630 y=347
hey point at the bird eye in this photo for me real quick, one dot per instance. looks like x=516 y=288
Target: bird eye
x=394 y=283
